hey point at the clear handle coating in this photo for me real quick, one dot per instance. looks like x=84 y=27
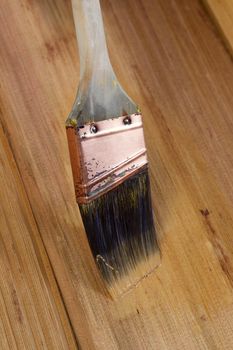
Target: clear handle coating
x=99 y=95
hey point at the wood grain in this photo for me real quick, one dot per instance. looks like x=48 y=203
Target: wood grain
x=222 y=13
x=32 y=314
x=170 y=59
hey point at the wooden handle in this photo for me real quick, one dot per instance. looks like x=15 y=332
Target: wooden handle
x=91 y=38
x=99 y=96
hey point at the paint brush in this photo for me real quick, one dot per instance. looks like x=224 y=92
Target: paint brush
x=109 y=162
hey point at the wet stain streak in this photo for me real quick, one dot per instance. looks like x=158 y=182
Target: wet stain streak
x=17 y=306
x=223 y=258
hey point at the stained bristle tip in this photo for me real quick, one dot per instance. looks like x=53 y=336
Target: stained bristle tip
x=121 y=232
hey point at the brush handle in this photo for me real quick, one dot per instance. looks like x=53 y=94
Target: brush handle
x=100 y=95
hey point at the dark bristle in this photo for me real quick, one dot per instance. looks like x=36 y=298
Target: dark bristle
x=120 y=227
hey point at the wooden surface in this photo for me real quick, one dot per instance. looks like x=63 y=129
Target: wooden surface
x=222 y=12
x=170 y=59
x=32 y=314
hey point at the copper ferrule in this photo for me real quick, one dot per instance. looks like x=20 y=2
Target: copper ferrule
x=104 y=154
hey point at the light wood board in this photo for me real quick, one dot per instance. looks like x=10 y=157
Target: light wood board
x=170 y=59
x=32 y=314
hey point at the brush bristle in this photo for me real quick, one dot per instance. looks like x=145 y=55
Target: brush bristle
x=121 y=232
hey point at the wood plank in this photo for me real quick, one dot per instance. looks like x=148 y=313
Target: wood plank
x=31 y=309
x=162 y=52
x=222 y=13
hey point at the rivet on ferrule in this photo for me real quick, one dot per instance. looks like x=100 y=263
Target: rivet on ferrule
x=93 y=129
x=127 y=121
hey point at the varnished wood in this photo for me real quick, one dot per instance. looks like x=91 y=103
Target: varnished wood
x=32 y=314
x=222 y=13
x=169 y=57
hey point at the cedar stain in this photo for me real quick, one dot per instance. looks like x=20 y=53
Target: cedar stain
x=17 y=306
x=51 y=51
x=203 y=318
x=54 y=48
x=204 y=212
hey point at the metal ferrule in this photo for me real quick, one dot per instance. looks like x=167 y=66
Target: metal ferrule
x=105 y=154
